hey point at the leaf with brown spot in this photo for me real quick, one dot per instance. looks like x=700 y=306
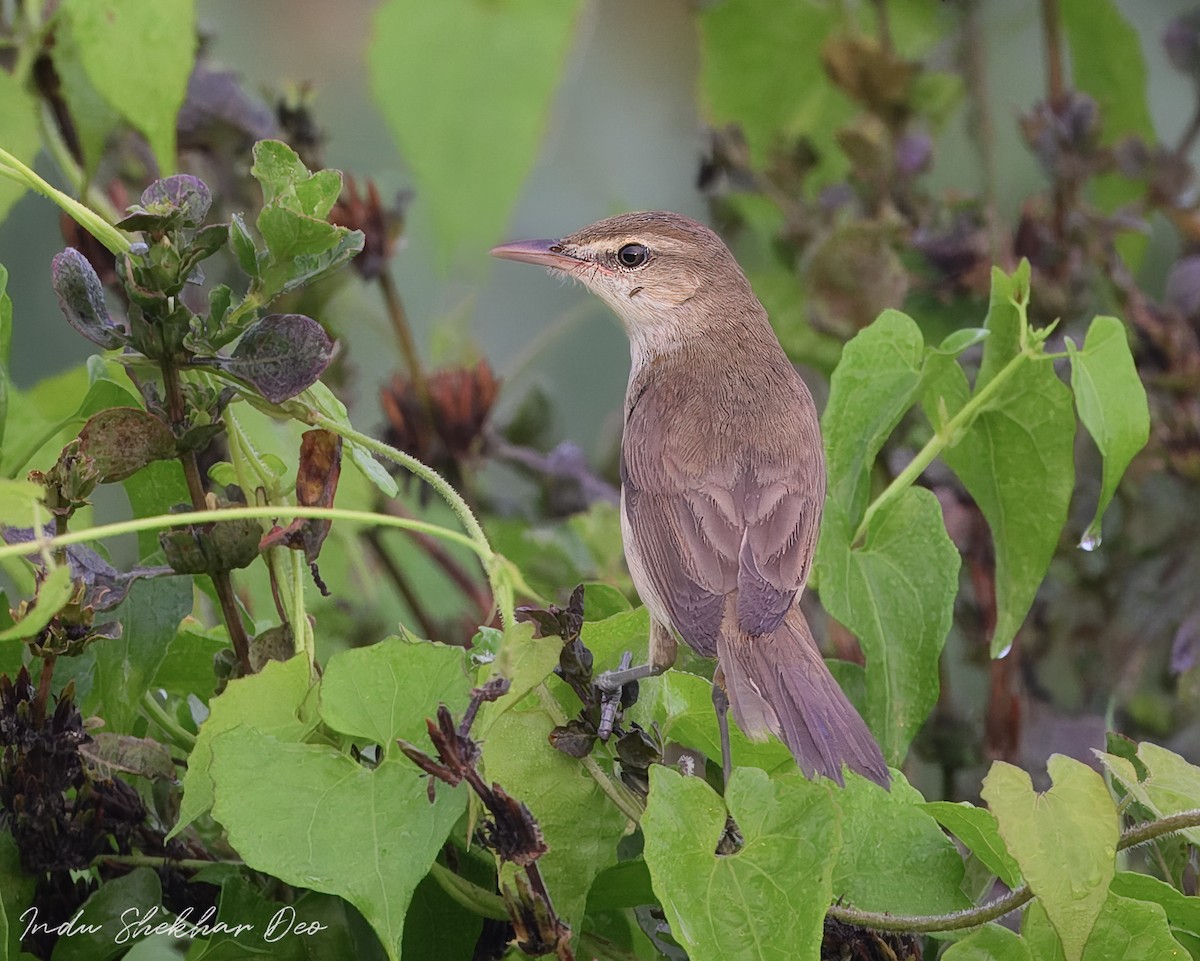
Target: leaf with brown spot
x=123 y=440
x=280 y=356
x=108 y=753
x=316 y=484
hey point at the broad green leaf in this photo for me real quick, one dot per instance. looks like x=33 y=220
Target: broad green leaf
x=871 y=389
x=93 y=119
x=526 y=661
x=894 y=856
x=1112 y=404
x=125 y=666
x=1126 y=930
x=18 y=120
x=187 y=665
x=470 y=140
x=387 y=690
x=365 y=835
x=116 y=904
x=20 y=503
x=989 y=943
x=16 y=893
x=611 y=637
x=761 y=67
x=256 y=925
x=768 y=900
x=438 y=928
x=138 y=57
x=977 y=829
x=1017 y=459
x=1107 y=62
x=1183 y=912
x=579 y=822
x=1064 y=839
x=896 y=594
x=154 y=490
x=53 y=594
x=1172 y=785
x=270 y=702
x=603 y=600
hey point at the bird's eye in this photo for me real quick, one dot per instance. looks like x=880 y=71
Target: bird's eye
x=632 y=255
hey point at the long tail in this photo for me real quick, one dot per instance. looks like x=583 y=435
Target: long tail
x=778 y=683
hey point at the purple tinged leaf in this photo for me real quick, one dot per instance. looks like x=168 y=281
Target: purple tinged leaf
x=281 y=355
x=179 y=201
x=123 y=440
x=81 y=299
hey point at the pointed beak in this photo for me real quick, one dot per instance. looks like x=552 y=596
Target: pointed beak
x=548 y=253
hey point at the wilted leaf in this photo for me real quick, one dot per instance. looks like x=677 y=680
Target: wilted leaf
x=1112 y=404
x=108 y=753
x=1064 y=839
x=280 y=355
x=123 y=440
x=81 y=299
x=316 y=483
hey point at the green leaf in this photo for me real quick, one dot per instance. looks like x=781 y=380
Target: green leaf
x=16 y=892
x=989 y=943
x=112 y=907
x=768 y=900
x=269 y=702
x=1107 y=62
x=761 y=68
x=18 y=120
x=367 y=692
x=138 y=57
x=469 y=140
x=871 y=389
x=155 y=490
x=894 y=857
x=1126 y=930
x=611 y=637
x=187 y=665
x=579 y=822
x=6 y=311
x=1171 y=786
x=526 y=661
x=978 y=830
x=125 y=665
x=681 y=705
x=1017 y=459
x=93 y=119
x=1112 y=404
x=53 y=594
x=1183 y=912
x=896 y=594
x=368 y=836
x=1064 y=839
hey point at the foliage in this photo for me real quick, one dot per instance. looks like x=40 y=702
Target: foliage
x=321 y=811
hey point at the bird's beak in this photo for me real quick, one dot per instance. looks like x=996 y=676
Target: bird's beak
x=548 y=253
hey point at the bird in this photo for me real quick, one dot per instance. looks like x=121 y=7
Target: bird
x=722 y=482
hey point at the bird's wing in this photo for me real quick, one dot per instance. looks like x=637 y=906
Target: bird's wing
x=717 y=518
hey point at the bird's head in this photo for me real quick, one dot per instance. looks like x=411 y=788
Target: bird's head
x=666 y=276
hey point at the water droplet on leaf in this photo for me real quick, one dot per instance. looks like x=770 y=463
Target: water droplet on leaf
x=1090 y=541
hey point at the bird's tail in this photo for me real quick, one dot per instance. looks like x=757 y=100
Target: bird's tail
x=778 y=683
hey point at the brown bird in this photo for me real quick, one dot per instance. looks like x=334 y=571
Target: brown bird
x=722 y=481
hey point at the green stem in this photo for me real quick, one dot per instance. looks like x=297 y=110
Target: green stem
x=947 y=434
x=167 y=521
x=52 y=140
x=151 y=861
x=498 y=574
x=93 y=223
x=181 y=737
x=470 y=896
x=974 y=917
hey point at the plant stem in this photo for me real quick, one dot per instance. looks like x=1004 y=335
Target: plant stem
x=167 y=521
x=408 y=348
x=974 y=917
x=153 y=861
x=942 y=438
x=93 y=223
x=222 y=583
x=471 y=896
x=180 y=736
